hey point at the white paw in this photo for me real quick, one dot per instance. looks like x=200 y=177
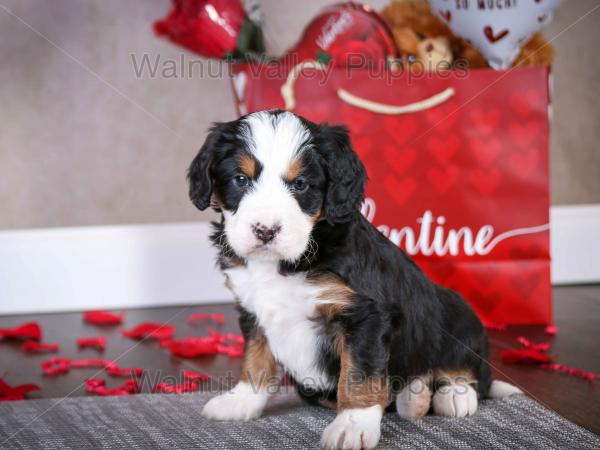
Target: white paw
x=241 y=403
x=354 y=429
x=413 y=402
x=455 y=400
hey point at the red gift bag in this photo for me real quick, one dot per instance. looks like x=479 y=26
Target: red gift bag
x=457 y=165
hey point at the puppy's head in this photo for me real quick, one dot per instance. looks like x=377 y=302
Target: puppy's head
x=275 y=175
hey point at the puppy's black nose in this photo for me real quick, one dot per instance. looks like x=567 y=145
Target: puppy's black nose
x=264 y=233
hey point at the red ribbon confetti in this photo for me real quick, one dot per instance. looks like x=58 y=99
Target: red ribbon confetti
x=29 y=330
x=233 y=350
x=542 y=346
x=98 y=343
x=102 y=317
x=10 y=393
x=214 y=317
x=60 y=365
x=589 y=376
x=524 y=356
x=99 y=363
x=154 y=330
x=195 y=376
x=192 y=347
x=191 y=383
x=56 y=366
x=223 y=337
x=38 y=347
x=186 y=386
x=98 y=387
x=116 y=371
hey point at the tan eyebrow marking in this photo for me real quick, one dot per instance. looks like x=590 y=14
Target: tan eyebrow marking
x=247 y=165
x=293 y=171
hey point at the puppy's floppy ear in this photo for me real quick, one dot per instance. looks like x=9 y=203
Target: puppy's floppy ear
x=346 y=174
x=199 y=176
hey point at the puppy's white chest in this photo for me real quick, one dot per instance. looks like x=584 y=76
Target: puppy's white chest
x=284 y=306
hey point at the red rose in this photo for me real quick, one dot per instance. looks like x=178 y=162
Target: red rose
x=210 y=27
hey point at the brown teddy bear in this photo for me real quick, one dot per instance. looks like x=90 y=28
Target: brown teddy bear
x=427 y=43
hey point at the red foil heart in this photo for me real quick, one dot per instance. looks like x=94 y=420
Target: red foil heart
x=347 y=34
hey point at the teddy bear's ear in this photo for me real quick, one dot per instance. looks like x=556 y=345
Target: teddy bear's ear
x=406 y=40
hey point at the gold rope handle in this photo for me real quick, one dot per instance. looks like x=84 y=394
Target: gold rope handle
x=289 y=98
x=287 y=88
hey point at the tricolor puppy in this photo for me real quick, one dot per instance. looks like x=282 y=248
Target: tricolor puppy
x=322 y=294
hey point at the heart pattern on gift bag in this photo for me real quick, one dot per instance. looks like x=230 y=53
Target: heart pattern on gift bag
x=485 y=181
x=523 y=103
x=524 y=164
x=486 y=150
x=443 y=149
x=485 y=120
x=399 y=160
x=443 y=179
x=400 y=190
x=523 y=133
x=400 y=135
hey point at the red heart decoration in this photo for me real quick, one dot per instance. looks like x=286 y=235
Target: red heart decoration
x=443 y=150
x=356 y=119
x=402 y=132
x=485 y=181
x=487 y=120
x=363 y=145
x=526 y=283
x=486 y=151
x=442 y=119
x=489 y=34
x=400 y=191
x=524 y=164
x=523 y=102
x=443 y=179
x=523 y=133
x=484 y=304
x=399 y=159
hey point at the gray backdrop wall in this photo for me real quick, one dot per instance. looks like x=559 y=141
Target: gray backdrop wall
x=84 y=141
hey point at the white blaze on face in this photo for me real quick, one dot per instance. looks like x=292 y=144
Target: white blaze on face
x=275 y=142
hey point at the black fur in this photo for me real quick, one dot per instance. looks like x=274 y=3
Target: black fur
x=400 y=324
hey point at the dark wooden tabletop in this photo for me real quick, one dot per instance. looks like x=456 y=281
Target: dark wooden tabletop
x=576 y=309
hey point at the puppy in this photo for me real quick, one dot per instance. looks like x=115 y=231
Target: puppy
x=322 y=294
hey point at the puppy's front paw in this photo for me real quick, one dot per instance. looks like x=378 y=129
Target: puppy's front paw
x=241 y=403
x=455 y=400
x=354 y=429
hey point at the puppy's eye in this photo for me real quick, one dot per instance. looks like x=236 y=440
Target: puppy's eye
x=420 y=35
x=241 y=181
x=299 y=185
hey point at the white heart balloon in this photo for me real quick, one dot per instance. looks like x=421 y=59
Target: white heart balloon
x=498 y=28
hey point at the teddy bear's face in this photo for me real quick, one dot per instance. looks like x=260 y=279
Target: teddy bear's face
x=425 y=42
x=424 y=52
x=435 y=53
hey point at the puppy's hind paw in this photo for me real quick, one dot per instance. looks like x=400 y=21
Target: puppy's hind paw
x=455 y=400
